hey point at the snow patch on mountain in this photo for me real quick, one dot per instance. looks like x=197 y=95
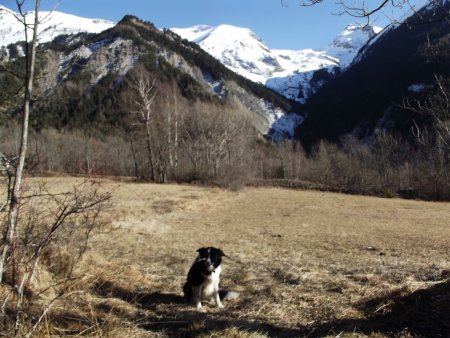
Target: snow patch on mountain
x=301 y=78
x=52 y=24
x=419 y=87
x=101 y=58
x=283 y=125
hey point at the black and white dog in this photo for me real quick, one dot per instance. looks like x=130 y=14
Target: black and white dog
x=203 y=277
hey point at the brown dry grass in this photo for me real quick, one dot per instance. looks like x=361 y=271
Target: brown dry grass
x=306 y=263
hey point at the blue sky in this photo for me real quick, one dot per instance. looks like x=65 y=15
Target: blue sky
x=288 y=26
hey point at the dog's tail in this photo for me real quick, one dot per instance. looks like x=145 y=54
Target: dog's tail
x=228 y=295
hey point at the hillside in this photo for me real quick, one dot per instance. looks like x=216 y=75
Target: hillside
x=399 y=65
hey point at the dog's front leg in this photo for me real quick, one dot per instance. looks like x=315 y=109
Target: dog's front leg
x=197 y=296
x=216 y=296
x=218 y=302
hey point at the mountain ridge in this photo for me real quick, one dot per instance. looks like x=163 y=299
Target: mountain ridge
x=288 y=72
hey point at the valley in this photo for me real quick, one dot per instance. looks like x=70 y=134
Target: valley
x=322 y=174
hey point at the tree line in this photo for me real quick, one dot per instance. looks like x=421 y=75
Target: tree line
x=170 y=139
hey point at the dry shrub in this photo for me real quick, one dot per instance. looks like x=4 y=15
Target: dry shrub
x=97 y=300
x=52 y=235
x=58 y=261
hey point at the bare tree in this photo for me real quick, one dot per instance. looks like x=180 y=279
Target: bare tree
x=435 y=138
x=15 y=195
x=147 y=91
x=438 y=108
x=25 y=238
x=161 y=119
x=133 y=152
x=172 y=133
x=48 y=218
x=217 y=144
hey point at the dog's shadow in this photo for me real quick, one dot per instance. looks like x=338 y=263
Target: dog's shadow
x=142 y=297
x=161 y=298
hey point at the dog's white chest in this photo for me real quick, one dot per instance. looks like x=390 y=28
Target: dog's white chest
x=211 y=284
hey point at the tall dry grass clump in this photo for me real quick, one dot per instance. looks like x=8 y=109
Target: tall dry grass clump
x=51 y=236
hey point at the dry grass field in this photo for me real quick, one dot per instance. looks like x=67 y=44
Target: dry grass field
x=306 y=263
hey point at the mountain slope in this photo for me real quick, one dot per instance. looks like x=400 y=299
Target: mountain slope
x=291 y=73
x=86 y=79
x=400 y=64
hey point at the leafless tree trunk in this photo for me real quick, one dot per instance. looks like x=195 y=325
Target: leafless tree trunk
x=15 y=197
x=175 y=155
x=147 y=92
x=133 y=151
x=172 y=134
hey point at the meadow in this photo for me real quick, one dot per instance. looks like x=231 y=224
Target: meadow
x=306 y=263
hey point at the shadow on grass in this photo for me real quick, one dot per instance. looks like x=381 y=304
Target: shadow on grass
x=194 y=323
x=138 y=297
x=423 y=313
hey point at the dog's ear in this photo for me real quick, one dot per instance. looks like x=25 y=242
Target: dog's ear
x=222 y=253
x=202 y=252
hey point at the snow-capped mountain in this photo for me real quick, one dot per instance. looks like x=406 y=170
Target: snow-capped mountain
x=291 y=73
x=52 y=24
x=238 y=48
x=286 y=71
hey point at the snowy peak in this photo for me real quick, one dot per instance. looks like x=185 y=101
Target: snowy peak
x=229 y=37
x=355 y=36
x=305 y=71
x=52 y=24
x=347 y=44
x=238 y=48
x=194 y=33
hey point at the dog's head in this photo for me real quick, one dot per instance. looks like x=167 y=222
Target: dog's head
x=211 y=258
